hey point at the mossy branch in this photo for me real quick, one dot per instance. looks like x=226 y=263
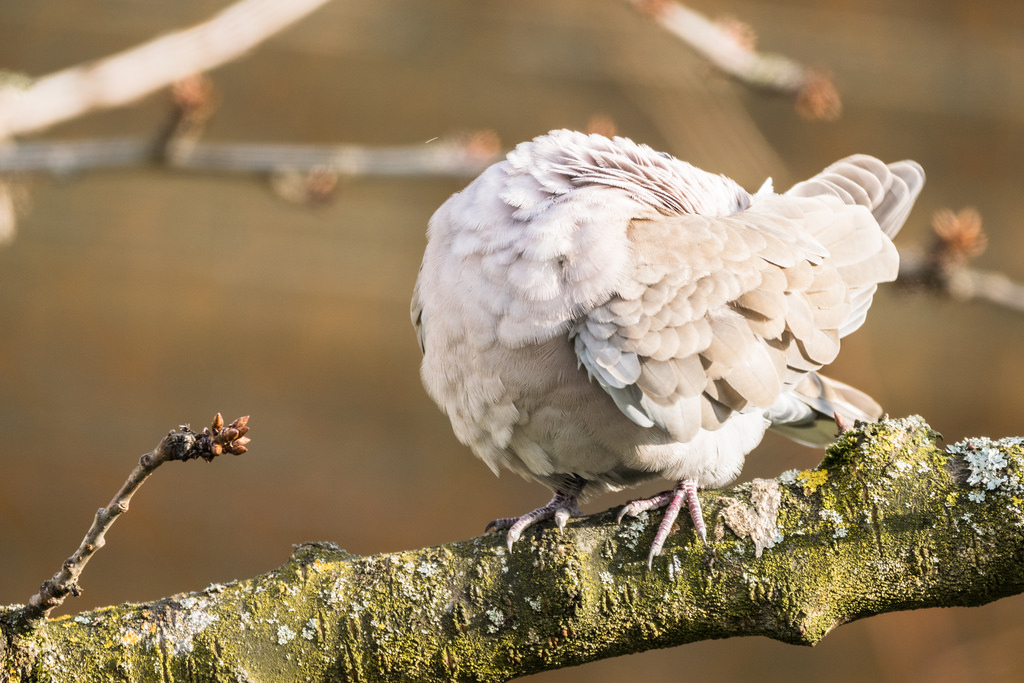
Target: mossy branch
x=888 y=522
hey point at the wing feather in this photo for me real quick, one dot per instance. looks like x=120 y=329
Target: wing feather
x=719 y=314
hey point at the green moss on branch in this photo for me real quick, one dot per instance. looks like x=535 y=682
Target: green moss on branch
x=889 y=521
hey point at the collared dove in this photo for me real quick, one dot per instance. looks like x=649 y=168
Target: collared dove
x=594 y=314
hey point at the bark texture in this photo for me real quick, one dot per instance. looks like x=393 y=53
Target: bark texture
x=889 y=521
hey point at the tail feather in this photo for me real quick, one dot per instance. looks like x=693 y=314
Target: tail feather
x=907 y=181
x=887 y=190
x=807 y=413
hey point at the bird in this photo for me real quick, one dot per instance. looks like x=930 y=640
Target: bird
x=594 y=314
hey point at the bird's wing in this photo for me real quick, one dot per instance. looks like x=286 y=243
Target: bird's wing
x=720 y=314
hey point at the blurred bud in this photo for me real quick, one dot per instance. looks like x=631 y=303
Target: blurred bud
x=316 y=186
x=960 y=235
x=653 y=8
x=742 y=33
x=484 y=144
x=195 y=95
x=818 y=99
x=602 y=124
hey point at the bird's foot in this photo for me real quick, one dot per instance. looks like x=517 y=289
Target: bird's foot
x=561 y=507
x=672 y=501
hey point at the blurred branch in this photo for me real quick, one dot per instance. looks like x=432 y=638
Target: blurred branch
x=135 y=73
x=299 y=173
x=303 y=174
x=456 y=157
x=995 y=288
x=730 y=47
x=183 y=444
x=297 y=170
x=8 y=211
x=888 y=522
x=942 y=268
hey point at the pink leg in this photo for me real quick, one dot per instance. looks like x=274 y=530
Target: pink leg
x=685 y=490
x=562 y=506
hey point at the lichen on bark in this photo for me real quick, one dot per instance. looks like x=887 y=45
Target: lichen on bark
x=892 y=522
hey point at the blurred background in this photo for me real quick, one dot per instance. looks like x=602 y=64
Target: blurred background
x=120 y=319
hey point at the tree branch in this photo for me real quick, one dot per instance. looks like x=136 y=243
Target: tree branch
x=455 y=157
x=888 y=522
x=135 y=73
x=730 y=47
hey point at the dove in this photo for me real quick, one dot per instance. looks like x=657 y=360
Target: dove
x=594 y=314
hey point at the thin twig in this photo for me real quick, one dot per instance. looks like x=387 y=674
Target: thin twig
x=733 y=52
x=135 y=73
x=182 y=444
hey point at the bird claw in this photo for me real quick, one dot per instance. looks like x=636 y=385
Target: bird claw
x=684 y=492
x=562 y=516
x=514 y=532
x=638 y=507
x=561 y=507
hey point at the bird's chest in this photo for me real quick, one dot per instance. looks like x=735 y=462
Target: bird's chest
x=532 y=409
